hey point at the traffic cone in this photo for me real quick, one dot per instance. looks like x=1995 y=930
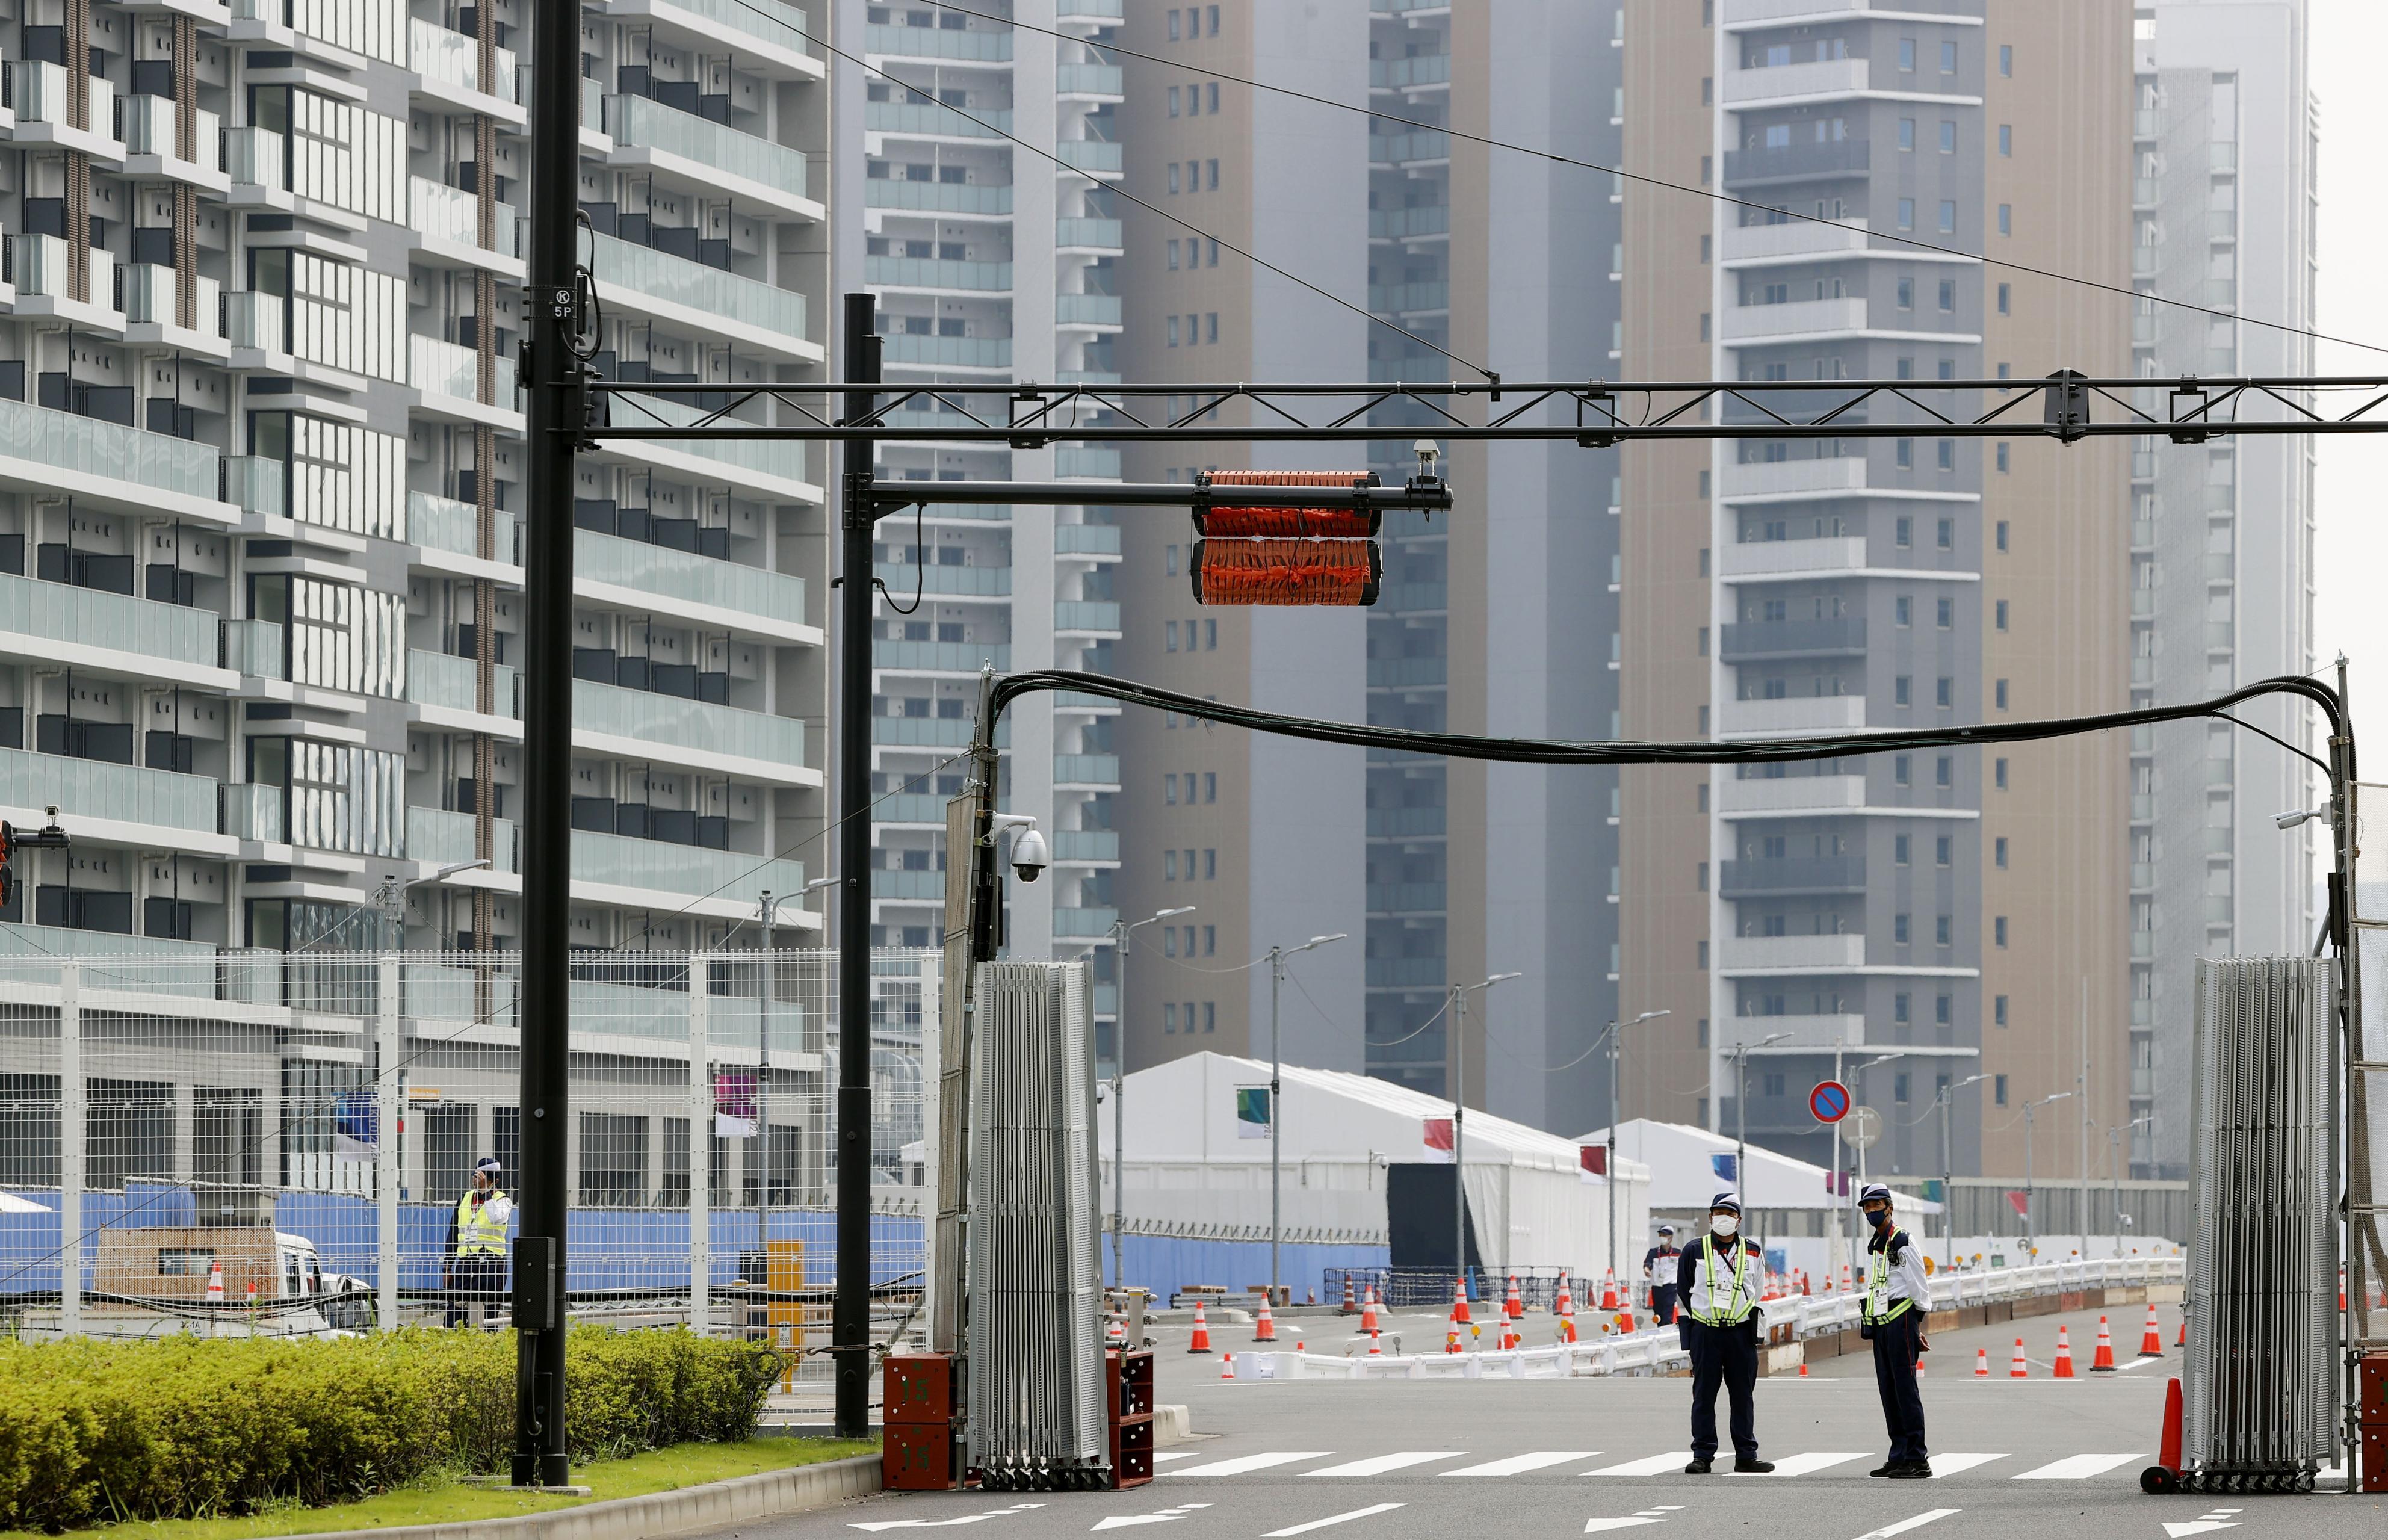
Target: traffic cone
x=1228 y=1366
x=1609 y=1291
x=2103 y=1361
x=2182 y=1340
x=2151 y=1340
x=1459 y=1302
x=2021 y=1369
x=1202 y=1342
x=1368 y=1311
x=1803 y=1369
x=1981 y=1363
x=1515 y=1308
x=215 y=1283
x=1566 y=1315
x=1301 y=1346
x=1350 y=1305
x=1376 y=1343
x=1804 y=1290
x=252 y=1293
x=1451 y=1338
x=2168 y=1442
x=1625 y=1322
x=2064 y=1354
x=1265 y=1329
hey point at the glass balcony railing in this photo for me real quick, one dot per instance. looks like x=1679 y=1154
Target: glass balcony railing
x=1085 y=770
x=453 y=60
x=983 y=47
x=935 y=117
x=453 y=215
x=259 y=648
x=148 y=124
x=447 y=682
x=254 y=320
x=937 y=198
x=1420 y=69
x=962 y=352
x=252 y=811
x=1086 y=539
x=255 y=484
x=932 y=273
x=1083 y=921
x=1077 y=462
x=642 y=269
x=651 y=125
x=1395 y=149
x=779 y=458
x=145 y=292
x=95 y=788
x=43 y=268
x=1086 y=310
x=41 y=92
x=694 y=870
x=442 y=837
x=1100 y=235
x=1085 y=614
x=1087 y=80
x=941 y=657
x=676 y=722
x=1085 y=844
x=1093 y=157
x=655 y=569
x=440 y=368
x=93 y=618
x=254 y=156
x=930 y=732
x=909 y=887
x=771 y=21
x=972 y=581
x=109 y=451
x=444 y=524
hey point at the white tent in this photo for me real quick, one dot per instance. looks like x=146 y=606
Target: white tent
x=1689 y=1167
x=1197 y=1153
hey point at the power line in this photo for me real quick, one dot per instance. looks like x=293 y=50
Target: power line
x=1152 y=209
x=1725 y=198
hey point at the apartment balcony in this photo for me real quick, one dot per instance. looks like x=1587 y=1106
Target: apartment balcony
x=699 y=153
x=948 y=353
x=1748 y=559
x=127 y=468
x=1750 y=641
x=447 y=375
x=701 y=301
x=1408 y=824
x=1087 y=312
x=617 y=869
x=1082 y=463
x=45 y=116
x=255 y=158
x=1100 y=238
x=945 y=582
x=1792 y=714
x=1792 y=241
x=1791 y=875
x=438 y=837
x=1097 y=773
x=446 y=221
x=705 y=590
x=448 y=69
x=1083 y=923
x=1416 y=598
x=146 y=293
x=46 y=285
x=1781 y=480
x=939 y=198
x=1791 y=954
x=1086 y=847
x=1097 y=159
x=940 y=657
x=929 y=272
x=1821 y=80
x=1800 y=318
x=1406 y=898
x=774 y=468
x=444 y=524
x=1417 y=148
x=930 y=732
x=247 y=811
x=1753 y=168
x=1419 y=299
x=60 y=625
x=915 y=120
x=1099 y=541
x=257 y=649
x=917 y=808
x=446 y=683
x=256 y=485
x=966 y=47
x=776 y=34
x=640 y=724
x=1407 y=973
x=1788 y=795
x=1416 y=72
x=1421 y=222
x=1088 y=83
x=1802 y=1034
x=1099 y=618
x=107 y=801
x=915 y=887
x=152 y=146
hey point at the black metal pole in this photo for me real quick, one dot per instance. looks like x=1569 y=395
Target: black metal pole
x=850 y=1318
x=544 y=986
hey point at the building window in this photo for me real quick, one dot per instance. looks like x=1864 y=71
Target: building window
x=1209 y=636
x=1902 y=611
x=1210 y=941
x=1947 y=528
x=2006 y=219
x=2003 y=694
x=1700 y=882
x=1907 y=294
x=1902 y=453
x=1901 y=769
x=1169 y=866
x=1173 y=176
x=2002 y=534
x=1907 y=134
x=1905 y=56
x=1999 y=849
x=1169 y=562
x=1945 y=614
x=1173 y=24
x=2006 y=299
x=1948 y=137
x=1902 y=531
x=1947 y=296
x=1773 y=1085
x=1948 y=58
x=1940 y=928
x=1899 y=1089
x=1999 y=929
x=2006 y=67
x=1210 y=1015
x=1169 y=791
x=1948 y=368
x=1944 y=772
x=1945 y=455
x=1945 y=692
x=1899 y=849
x=1905 y=368
x=1212 y=251
x=1943 y=1006
x=1899 y=689
x=1700 y=956
x=1998 y=1010
x=1169 y=635
x=1999 y=770
x=1209 y=326
x=1901 y=1008
x=1211 y=97
x=1173 y=256
x=1898 y=934
x=1172 y=90
x=2002 y=457
x=1169 y=1018
x=1906 y=211
x=1172 y=331
x=2006 y=139
x=1949 y=216
x=1211 y=785
x=1943 y=848
x=1214 y=166
x=1999 y=1088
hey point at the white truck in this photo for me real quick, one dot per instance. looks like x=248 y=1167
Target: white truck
x=154 y=1281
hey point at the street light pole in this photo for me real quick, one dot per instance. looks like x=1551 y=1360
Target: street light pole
x=1608 y=1175
x=1121 y=931
x=2030 y=1239
x=1947 y=1097
x=1276 y=955
x=1740 y=1055
x=2115 y=1171
x=1458 y=1113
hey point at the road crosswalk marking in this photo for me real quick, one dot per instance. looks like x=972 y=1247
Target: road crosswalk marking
x=1518 y=1464
x=1243 y=1463
x=1332 y=1518
x=1800 y=1465
x=2075 y=1466
x=1649 y=1465
x=1376 y=1465
x=1950 y=1465
x=1927 y=1516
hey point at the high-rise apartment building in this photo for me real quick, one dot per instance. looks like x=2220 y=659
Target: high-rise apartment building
x=992 y=262
x=264 y=428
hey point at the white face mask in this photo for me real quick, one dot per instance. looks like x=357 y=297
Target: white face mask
x=1723 y=1224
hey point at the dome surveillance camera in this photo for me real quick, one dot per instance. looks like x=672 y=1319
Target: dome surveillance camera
x=1028 y=856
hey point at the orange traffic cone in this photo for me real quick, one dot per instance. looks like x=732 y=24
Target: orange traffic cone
x=1508 y=1335
x=1350 y=1303
x=2021 y=1369
x=1609 y=1292
x=215 y=1283
x=1228 y=1366
x=1301 y=1346
x=1803 y=1369
x=1514 y=1308
x=1625 y=1322
x=2182 y=1340
x=1566 y=1317
x=2064 y=1354
x=1202 y=1342
x=2151 y=1340
x=1981 y=1363
x=2103 y=1361
x=1451 y=1338
x=1459 y=1301
x=1265 y=1329
x=1368 y=1310
x=1376 y=1343
x=1804 y=1290
x=252 y=1293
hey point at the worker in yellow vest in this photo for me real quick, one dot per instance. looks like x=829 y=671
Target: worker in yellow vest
x=1716 y=1284
x=474 y=1274
x=1898 y=1296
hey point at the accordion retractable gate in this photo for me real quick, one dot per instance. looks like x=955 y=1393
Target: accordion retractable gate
x=2259 y=1389
x=1036 y=1419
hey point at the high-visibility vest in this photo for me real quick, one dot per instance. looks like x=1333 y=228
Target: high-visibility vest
x=481 y=1228
x=1878 y=1282
x=1737 y=1310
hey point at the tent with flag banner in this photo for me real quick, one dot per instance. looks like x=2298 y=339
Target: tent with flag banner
x=1689 y=1167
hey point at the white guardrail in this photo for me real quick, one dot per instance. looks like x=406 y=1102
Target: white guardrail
x=1658 y=1349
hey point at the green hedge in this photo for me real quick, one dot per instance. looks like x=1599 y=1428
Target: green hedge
x=186 y=1427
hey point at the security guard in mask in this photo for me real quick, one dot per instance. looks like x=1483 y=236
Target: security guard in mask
x=476 y=1272
x=1717 y=1282
x=1660 y=1266
x=1897 y=1295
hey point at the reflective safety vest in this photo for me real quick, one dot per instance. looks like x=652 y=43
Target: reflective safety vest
x=481 y=1228
x=1737 y=1309
x=1878 y=1283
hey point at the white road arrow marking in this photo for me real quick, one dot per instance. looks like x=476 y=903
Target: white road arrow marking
x=1332 y=1518
x=1927 y=1516
x=943 y=1523
x=1128 y=1520
x=1597 y=1526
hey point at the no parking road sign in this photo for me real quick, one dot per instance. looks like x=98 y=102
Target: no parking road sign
x=1829 y=1101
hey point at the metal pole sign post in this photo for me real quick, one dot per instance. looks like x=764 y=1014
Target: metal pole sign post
x=1829 y=1101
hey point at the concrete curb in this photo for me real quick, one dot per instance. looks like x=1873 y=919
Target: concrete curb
x=686 y=1511
x=1171 y=1424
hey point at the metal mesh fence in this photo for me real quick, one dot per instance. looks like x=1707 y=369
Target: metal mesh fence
x=198 y=1143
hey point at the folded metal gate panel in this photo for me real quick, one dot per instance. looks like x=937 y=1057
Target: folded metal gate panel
x=2258 y=1387
x=1036 y=1413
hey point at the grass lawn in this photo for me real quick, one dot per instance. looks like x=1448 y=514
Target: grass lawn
x=446 y=1500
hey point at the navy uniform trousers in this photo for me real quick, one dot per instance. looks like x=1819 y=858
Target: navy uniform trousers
x=1894 y=1376
x=1726 y=1355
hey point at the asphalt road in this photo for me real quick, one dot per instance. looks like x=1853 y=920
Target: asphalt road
x=1405 y=1460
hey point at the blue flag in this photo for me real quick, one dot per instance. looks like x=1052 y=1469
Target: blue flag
x=1726 y=1167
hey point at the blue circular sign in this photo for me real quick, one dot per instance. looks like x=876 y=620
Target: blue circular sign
x=1829 y=1101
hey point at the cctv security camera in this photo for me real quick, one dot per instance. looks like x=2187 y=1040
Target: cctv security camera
x=1028 y=856
x=2290 y=820
x=1425 y=450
